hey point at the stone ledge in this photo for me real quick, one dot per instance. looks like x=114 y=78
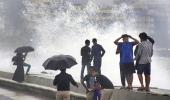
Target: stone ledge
x=37 y=89
x=44 y=83
x=43 y=80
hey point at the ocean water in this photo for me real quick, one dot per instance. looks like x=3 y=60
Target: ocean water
x=160 y=70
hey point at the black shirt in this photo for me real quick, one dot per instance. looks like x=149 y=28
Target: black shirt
x=63 y=80
x=104 y=82
x=85 y=53
x=18 y=60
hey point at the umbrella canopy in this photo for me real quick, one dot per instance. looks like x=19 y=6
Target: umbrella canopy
x=24 y=49
x=59 y=62
x=105 y=82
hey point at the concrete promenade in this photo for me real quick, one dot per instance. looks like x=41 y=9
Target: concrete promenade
x=13 y=94
x=37 y=84
x=42 y=85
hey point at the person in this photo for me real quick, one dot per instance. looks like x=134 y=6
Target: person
x=62 y=82
x=125 y=49
x=96 y=55
x=106 y=87
x=92 y=86
x=143 y=55
x=23 y=58
x=135 y=52
x=19 y=72
x=85 y=53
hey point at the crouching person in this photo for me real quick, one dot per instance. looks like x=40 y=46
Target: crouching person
x=62 y=82
x=92 y=86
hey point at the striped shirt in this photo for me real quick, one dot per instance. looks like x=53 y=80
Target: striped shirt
x=144 y=52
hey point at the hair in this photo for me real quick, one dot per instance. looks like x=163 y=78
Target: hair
x=94 y=40
x=87 y=41
x=124 y=35
x=143 y=36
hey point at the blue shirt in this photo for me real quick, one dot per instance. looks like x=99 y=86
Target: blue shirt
x=97 y=51
x=90 y=81
x=126 y=52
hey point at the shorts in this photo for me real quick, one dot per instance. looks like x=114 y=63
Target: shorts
x=127 y=68
x=144 y=68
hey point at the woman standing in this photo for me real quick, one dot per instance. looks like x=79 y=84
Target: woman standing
x=19 y=72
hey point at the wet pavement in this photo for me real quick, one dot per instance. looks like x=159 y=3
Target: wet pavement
x=9 y=94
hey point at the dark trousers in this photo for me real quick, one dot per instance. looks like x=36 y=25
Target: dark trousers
x=97 y=95
x=122 y=76
x=97 y=65
x=84 y=64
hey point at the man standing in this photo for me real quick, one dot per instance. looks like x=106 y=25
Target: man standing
x=97 y=53
x=62 y=81
x=126 y=59
x=143 y=55
x=85 y=53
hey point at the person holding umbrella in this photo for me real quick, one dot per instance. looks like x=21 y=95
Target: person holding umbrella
x=62 y=81
x=21 y=53
x=19 y=72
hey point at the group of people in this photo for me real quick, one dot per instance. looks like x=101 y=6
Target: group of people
x=143 y=53
x=93 y=87
x=93 y=80
x=88 y=55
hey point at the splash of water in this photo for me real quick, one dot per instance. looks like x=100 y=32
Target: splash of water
x=62 y=27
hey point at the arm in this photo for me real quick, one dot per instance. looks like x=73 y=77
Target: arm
x=117 y=40
x=55 y=81
x=84 y=85
x=135 y=52
x=14 y=58
x=151 y=40
x=117 y=49
x=73 y=81
x=90 y=55
x=81 y=53
x=135 y=40
x=138 y=52
x=103 y=51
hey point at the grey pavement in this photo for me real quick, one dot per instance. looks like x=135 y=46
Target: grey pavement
x=10 y=94
x=42 y=85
